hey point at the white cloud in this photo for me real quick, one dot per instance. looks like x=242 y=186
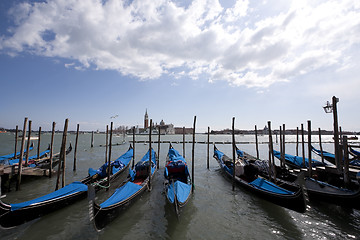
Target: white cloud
x=253 y=44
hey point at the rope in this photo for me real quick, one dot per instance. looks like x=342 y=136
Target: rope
x=99 y=185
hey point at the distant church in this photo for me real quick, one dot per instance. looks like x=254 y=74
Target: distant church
x=164 y=128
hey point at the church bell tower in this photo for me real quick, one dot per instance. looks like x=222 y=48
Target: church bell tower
x=146 y=120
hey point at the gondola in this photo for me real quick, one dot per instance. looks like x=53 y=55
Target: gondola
x=354 y=163
x=247 y=178
x=178 y=186
x=297 y=162
x=13 y=155
x=320 y=190
x=133 y=187
x=31 y=159
x=12 y=215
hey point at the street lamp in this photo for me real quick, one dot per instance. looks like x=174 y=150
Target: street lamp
x=328 y=108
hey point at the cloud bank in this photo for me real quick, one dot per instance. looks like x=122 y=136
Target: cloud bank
x=252 y=44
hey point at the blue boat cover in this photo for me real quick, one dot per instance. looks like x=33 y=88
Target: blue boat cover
x=220 y=155
x=16 y=161
x=182 y=191
x=117 y=164
x=121 y=194
x=63 y=192
x=325 y=154
x=175 y=156
x=263 y=184
x=298 y=161
x=240 y=153
x=2 y=158
x=357 y=153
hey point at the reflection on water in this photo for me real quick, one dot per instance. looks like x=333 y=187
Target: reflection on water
x=214 y=211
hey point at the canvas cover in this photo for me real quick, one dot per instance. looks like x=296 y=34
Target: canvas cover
x=325 y=154
x=263 y=184
x=298 y=161
x=121 y=194
x=182 y=191
x=65 y=191
x=16 y=161
x=117 y=164
x=4 y=157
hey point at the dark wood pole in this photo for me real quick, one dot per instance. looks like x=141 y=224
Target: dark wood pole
x=193 y=157
x=297 y=141
x=27 y=146
x=281 y=146
x=39 y=141
x=208 y=148
x=271 y=153
x=346 y=162
x=183 y=142
x=309 y=148
x=321 y=148
x=303 y=144
x=233 y=152
x=257 y=143
x=64 y=152
x=51 y=149
x=336 y=134
x=109 y=158
x=16 y=136
x=133 y=162
x=21 y=154
x=158 y=155
x=61 y=158
x=106 y=143
x=150 y=152
x=92 y=139
x=76 y=145
x=283 y=142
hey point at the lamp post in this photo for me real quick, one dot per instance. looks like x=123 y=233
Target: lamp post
x=328 y=108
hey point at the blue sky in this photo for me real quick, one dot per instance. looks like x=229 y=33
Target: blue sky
x=88 y=60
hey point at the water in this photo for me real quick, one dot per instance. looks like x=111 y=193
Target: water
x=214 y=212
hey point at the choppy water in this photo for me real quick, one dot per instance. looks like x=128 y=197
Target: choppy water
x=214 y=212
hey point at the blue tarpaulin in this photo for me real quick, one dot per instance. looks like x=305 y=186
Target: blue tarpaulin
x=122 y=193
x=298 y=161
x=269 y=186
x=16 y=161
x=67 y=190
x=12 y=155
x=182 y=191
x=117 y=164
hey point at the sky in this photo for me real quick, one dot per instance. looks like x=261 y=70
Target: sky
x=257 y=61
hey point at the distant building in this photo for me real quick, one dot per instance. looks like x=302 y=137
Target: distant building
x=146 y=120
x=180 y=130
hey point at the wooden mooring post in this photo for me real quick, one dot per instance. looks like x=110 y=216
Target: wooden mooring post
x=233 y=152
x=133 y=162
x=193 y=157
x=150 y=151
x=27 y=146
x=51 y=149
x=39 y=141
x=346 y=161
x=76 y=144
x=158 y=155
x=21 y=155
x=283 y=147
x=109 y=158
x=183 y=142
x=271 y=154
x=64 y=152
x=321 y=148
x=208 y=147
x=257 y=143
x=16 y=137
x=92 y=139
x=106 y=143
x=297 y=141
x=303 y=144
x=309 y=148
